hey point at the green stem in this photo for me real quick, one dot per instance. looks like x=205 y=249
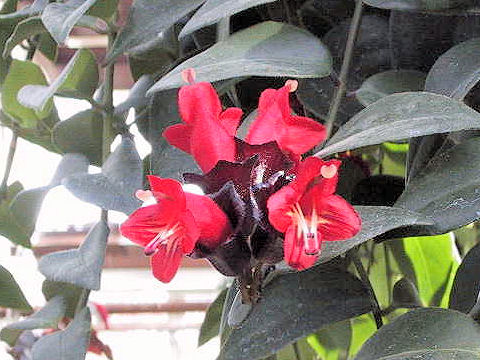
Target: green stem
x=8 y=166
x=347 y=59
x=377 y=313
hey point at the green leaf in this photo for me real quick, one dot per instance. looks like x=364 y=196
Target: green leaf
x=266 y=49
x=89 y=124
x=211 y=323
x=24 y=30
x=446 y=189
x=363 y=327
x=214 y=10
x=114 y=188
x=8 y=225
x=70 y=293
x=457 y=71
x=104 y=9
x=376 y=220
x=428 y=261
x=467 y=282
x=146 y=24
x=23 y=73
x=425 y=334
x=418 y=5
x=46 y=318
x=78 y=79
x=70 y=343
x=316 y=297
x=389 y=82
x=401 y=116
x=11 y=295
x=137 y=96
x=28 y=11
x=60 y=17
x=48 y=46
x=332 y=342
x=82 y=266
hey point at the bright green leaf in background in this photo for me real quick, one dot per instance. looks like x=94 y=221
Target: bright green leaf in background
x=211 y=324
x=266 y=49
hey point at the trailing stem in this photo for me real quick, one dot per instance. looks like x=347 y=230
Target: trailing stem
x=8 y=166
x=377 y=313
x=347 y=59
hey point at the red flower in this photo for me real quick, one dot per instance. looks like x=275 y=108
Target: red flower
x=171 y=227
x=275 y=122
x=208 y=133
x=308 y=212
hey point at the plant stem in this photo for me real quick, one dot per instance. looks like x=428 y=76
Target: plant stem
x=377 y=313
x=8 y=166
x=82 y=300
x=347 y=59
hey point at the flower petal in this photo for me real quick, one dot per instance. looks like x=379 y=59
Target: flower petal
x=178 y=135
x=145 y=223
x=279 y=207
x=308 y=174
x=168 y=191
x=165 y=263
x=230 y=119
x=301 y=134
x=191 y=232
x=213 y=224
x=198 y=102
x=294 y=251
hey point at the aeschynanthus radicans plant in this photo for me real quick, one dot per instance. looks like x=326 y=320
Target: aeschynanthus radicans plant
x=260 y=196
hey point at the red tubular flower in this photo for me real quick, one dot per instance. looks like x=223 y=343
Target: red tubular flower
x=308 y=212
x=208 y=133
x=275 y=122
x=171 y=227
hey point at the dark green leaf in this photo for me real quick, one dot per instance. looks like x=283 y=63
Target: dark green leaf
x=389 y=82
x=114 y=188
x=215 y=10
x=11 y=295
x=46 y=318
x=60 y=18
x=409 y=5
x=266 y=49
x=48 y=46
x=446 y=190
x=332 y=342
x=8 y=225
x=70 y=343
x=70 y=293
x=211 y=323
x=316 y=297
x=89 y=124
x=30 y=10
x=24 y=30
x=78 y=79
x=401 y=116
x=429 y=333
x=457 y=71
x=146 y=24
x=82 y=266
x=376 y=220
x=23 y=73
x=137 y=97
x=467 y=282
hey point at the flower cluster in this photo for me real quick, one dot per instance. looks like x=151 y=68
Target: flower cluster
x=262 y=203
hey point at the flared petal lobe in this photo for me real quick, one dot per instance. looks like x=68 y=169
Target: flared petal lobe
x=294 y=251
x=165 y=263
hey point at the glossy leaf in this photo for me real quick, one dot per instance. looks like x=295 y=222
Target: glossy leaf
x=316 y=297
x=89 y=123
x=457 y=71
x=145 y=28
x=78 y=79
x=215 y=10
x=401 y=116
x=60 y=18
x=47 y=317
x=409 y=5
x=446 y=189
x=70 y=343
x=467 y=282
x=11 y=295
x=389 y=82
x=23 y=73
x=211 y=323
x=427 y=333
x=114 y=188
x=81 y=267
x=376 y=220
x=265 y=49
